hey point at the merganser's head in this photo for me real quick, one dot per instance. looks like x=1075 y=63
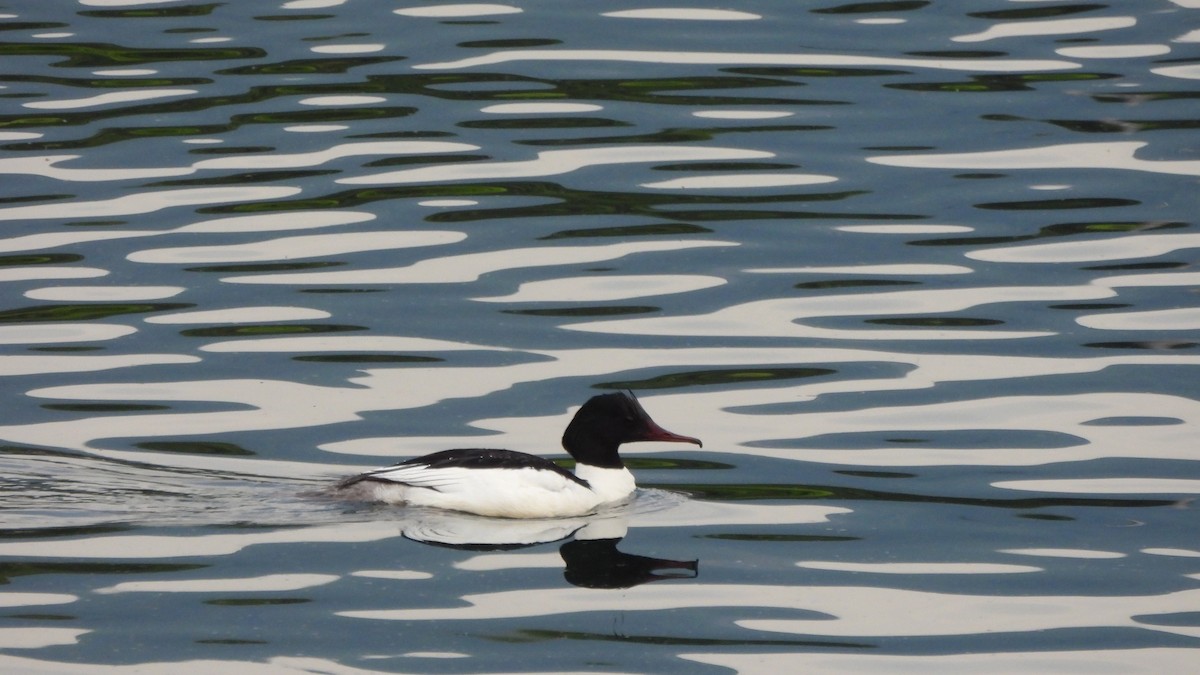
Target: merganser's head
x=608 y=420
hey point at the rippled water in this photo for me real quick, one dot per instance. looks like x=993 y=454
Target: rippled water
x=922 y=276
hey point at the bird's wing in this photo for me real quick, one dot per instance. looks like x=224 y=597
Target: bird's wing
x=453 y=470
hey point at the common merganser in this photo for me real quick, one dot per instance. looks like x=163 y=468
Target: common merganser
x=508 y=484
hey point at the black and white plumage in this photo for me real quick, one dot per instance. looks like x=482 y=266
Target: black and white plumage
x=510 y=484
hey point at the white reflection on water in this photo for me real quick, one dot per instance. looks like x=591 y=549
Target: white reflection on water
x=276 y=160
x=492 y=562
x=36 y=272
x=145 y=547
x=124 y=72
x=1114 y=486
x=843 y=611
x=98 y=100
x=1051 y=27
x=51 y=240
x=740 y=180
x=395 y=575
x=47 y=166
x=886 y=270
x=604 y=288
x=1187 y=318
x=1079 y=554
x=273 y=222
x=554 y=163
x=340 y=101
x=34 y=334
x=36 y=638
x=1174 y=552
x=1189 y=72
x=742 y=114
x=683 y=14
x=696 y=513
x=470 y=266
x=1113 y=51
x=537 y=108
x=747 y=59
x=1151 y=280
x=1095 y=250
x=239 y=315
x=10 y=600
x=145 y=202
x=262 y=584
x=313 y=4
x=1113 y=155
x=276 y=665
x=1192 y=35
x=104 y=293
x=458 y=11
x=295 y=220
x=358 y=48
x=295 y=248
x=921 y=228
x=11 y=365
x=917 y=567
x=315 y=128
x=353 y=343
x=1126 y=661
x=458 y=529
x=447 y=203
x=782 y=317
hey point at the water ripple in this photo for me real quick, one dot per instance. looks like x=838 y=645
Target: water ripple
x=947 y=401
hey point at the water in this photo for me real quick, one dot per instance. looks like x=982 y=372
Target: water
x=921 y=275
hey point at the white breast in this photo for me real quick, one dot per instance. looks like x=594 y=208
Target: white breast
x=610 y=485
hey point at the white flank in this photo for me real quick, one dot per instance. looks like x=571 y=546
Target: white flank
x=506 y=493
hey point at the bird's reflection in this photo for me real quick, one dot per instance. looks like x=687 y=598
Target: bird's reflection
x=589 y=549
x=596 y=563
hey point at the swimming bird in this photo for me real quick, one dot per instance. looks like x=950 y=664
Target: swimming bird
x=509 y=484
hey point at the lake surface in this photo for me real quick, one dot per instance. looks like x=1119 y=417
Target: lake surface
x=922 y=276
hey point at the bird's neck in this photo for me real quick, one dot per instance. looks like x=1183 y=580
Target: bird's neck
x=591 y=450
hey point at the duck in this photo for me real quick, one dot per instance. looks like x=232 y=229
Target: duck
x=511 y=484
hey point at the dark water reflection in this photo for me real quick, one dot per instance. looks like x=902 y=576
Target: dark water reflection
x=921 y=275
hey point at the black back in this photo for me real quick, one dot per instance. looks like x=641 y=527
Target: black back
x=473 y=458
